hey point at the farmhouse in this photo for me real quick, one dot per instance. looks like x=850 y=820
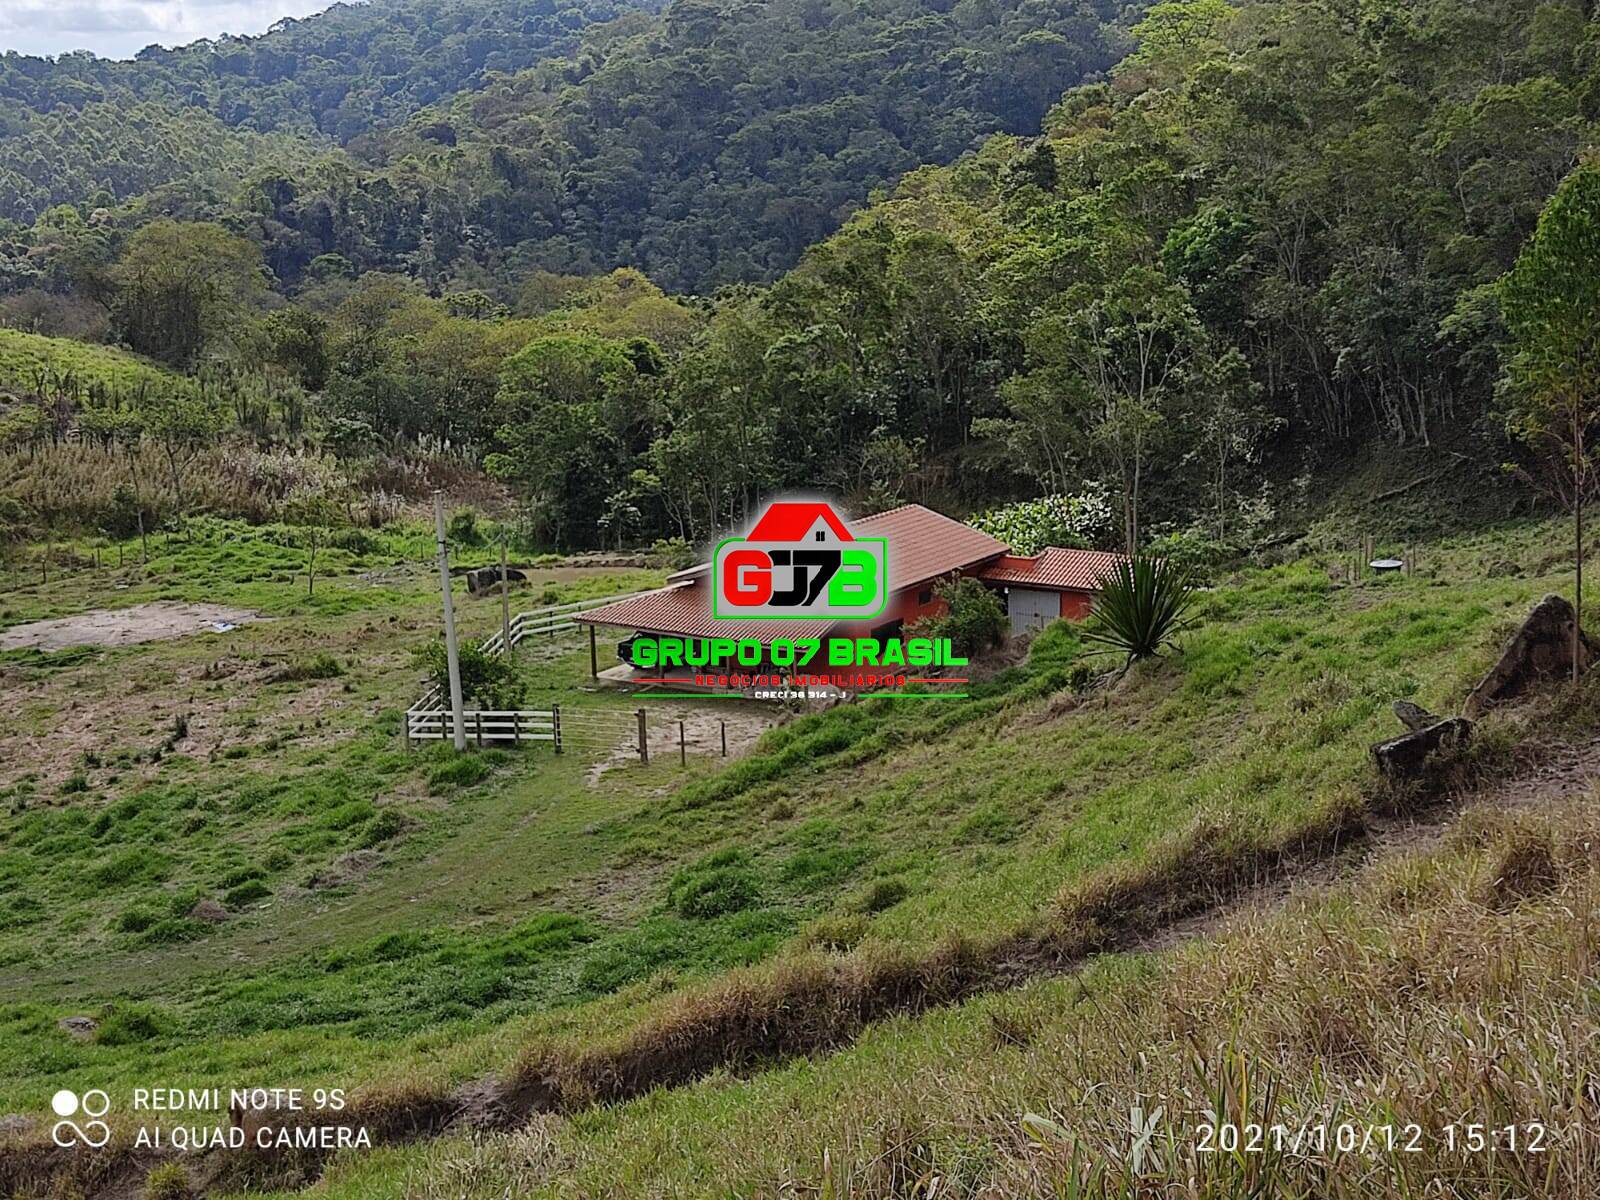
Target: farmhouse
x=925 y=548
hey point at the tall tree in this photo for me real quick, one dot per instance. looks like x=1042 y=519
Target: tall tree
x=1551 y=303
x=177 y=287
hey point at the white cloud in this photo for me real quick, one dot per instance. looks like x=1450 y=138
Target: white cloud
x=121 y=28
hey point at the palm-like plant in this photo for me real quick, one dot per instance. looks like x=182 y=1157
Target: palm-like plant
x=1141 y=607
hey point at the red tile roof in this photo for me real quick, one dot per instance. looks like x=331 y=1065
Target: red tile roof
x=924 y=545
x=1055 y=569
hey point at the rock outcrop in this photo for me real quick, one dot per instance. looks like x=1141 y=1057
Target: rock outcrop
x=1405 y=757
x=1537 y=653
x=1413 y=716
x=487 y=579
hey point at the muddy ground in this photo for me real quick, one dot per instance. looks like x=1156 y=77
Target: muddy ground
x=125 y=626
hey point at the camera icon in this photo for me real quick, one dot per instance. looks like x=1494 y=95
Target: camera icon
x=93 y=1104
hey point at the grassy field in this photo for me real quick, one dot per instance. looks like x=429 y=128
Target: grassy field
x=412 y=921
x=26 y=357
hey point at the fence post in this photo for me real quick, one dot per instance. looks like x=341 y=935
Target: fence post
x=457 y=716
x=644 y=742
x=683 y=749
x=555 y=716
x=505 y=602
x=478 y=720
x=516 y=728
x=724 y=725
x=594 y=660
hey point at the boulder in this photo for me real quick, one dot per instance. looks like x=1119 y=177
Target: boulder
x=1537 y=653
x=1413 y=716
x=1405 y=757
x=486 y=579
x=78 y=1027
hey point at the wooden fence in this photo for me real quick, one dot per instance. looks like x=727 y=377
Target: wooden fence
x=429 y=719
x=515 y=725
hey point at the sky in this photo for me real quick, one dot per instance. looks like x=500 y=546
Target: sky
x=121 y=28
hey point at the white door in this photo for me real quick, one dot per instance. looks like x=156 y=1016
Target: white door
x=1031 y=609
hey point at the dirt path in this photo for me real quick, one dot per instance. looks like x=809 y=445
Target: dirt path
x=704 y=727
x=125 y=626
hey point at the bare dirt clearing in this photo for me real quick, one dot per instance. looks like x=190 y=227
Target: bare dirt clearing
x=703 y=728
x=125 y=626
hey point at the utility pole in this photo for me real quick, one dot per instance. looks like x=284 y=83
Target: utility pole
x=505 y=602
x=457 y=709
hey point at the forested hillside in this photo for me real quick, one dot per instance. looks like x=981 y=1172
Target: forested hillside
x=707 y=146
x=1274 y=235
x=80 y=128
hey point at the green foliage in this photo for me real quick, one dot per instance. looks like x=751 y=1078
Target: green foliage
x=1141 y=607
x=176 y=288
x=973 y=619
x=490 y=131
x=459 y=771
x=1550 y=301
x=1028 y=526
x=882 y=894
x=720 y=884
x=246 y=893
x=129 y=1024
x=673 y=553
x=462 y=528
x=167 y=1181
x=572 y=403
x=319 y=666
x=488 y=681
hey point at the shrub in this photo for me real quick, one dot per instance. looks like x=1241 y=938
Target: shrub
x=672 y=554
x=462 y=528
x=136 y=919
x=384 y=827
x=1141 y=607
x=834 y=933
x=1194 y=550
x=973 y=619
x=486 y=679
x=75 y=784
x=139 y=864
x=1031 y=525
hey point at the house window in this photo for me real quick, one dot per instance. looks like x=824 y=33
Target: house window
x=924 y=596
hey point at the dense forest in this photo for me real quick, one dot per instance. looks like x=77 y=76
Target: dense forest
x=704 y=146
x=1273 y=232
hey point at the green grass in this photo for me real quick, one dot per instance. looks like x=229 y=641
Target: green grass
x=518 y=899
x=23 y=356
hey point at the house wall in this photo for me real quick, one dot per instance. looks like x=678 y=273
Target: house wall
x=1075 y=605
